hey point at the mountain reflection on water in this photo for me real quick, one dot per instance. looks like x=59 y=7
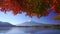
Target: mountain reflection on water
x=27 y=30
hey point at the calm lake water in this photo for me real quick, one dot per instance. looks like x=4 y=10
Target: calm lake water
x=27 y=30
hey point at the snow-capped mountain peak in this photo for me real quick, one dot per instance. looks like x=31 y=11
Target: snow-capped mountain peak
x=30 y=23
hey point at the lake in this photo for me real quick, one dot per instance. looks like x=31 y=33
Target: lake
x=28 y=30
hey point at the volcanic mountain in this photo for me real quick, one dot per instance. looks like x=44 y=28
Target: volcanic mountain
x=30 y=23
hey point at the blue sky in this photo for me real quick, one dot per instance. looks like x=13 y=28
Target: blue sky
x=21 y=18
x=13 y=19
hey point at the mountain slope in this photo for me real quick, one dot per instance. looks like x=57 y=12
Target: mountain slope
x=5 y=24
x=30 y=23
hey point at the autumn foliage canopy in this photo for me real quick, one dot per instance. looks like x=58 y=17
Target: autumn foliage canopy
x=31 y=7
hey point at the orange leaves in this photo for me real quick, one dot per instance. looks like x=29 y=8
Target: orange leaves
x=57 y=17
x=56 y=6
x=9 y=5
x=37 y=7
x=26 y=0
x=31 y=7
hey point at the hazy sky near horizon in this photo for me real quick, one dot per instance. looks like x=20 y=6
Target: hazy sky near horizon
x=21 y=18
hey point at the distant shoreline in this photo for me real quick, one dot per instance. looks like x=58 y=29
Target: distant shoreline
x=50 y=26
